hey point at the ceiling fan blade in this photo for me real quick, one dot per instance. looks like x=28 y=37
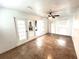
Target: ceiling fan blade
x=53 y=16
x=56 y=15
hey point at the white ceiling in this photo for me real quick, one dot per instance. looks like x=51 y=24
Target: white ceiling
x=41 y=7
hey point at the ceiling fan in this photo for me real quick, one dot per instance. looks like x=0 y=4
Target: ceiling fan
x=51 y=14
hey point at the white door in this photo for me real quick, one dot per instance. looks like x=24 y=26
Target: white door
x=21 y=29
x=30 y=25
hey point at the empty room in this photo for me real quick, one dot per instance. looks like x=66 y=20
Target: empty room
x=39 y=29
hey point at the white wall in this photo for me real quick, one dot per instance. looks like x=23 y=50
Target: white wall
x=8 y=37
x=75 y=33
